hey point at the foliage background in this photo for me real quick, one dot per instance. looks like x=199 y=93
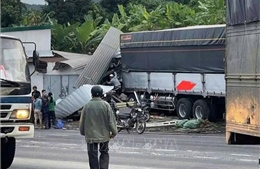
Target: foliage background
x=80 y=25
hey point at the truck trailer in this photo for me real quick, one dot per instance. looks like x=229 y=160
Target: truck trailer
x=243 y=72
x=180 y=69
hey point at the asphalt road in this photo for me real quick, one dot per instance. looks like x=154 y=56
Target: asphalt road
x=66 y=149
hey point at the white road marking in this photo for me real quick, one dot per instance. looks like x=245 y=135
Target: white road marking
x=205 y=157
x=242 y=155
x=249 y=160
x=59 y=135
x=34 y=162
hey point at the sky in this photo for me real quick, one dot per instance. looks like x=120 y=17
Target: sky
x=38 y=2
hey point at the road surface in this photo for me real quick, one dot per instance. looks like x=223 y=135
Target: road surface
x=66 y=149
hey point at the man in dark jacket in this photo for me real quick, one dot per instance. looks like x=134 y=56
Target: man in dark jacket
x=35 y=91
x=98 y=125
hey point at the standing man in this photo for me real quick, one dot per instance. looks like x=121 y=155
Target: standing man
x=52 y=104
x=98 y=125
x=35 y=91
x=45 y=110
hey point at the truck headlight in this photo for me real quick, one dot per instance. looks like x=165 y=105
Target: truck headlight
x=20 y=114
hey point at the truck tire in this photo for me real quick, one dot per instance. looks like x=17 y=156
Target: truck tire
x=7 y=152
x=201 y=109
x=184 y=108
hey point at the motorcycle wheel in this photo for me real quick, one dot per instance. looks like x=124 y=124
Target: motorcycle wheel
x=118 y=128
x=147 y=116
x=140 y=126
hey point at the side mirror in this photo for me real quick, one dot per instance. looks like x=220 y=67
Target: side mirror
x=35 y=58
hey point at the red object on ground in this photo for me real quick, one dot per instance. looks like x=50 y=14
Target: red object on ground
x=185 y=85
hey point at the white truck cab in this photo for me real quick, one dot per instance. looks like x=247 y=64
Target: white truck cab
x=15 y=99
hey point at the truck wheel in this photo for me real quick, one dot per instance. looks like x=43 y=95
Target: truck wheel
x=184 y=108
x=201 y=109
x=7 y=152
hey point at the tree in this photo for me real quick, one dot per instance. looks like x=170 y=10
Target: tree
x=36 y=18
x=11 y=12
x=211 y=12
x=85 y=37
x=184 y=2
x=76 y=37
x=111 y=6
x=71 y=11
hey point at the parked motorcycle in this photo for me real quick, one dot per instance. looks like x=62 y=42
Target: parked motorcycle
x=144 y=106
x=135 y=119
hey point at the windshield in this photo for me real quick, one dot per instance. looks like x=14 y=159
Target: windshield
x=13 y=64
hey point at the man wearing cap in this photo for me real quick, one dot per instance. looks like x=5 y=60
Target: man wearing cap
x=98 y=125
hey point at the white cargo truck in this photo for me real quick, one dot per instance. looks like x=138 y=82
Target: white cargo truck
x=15 y=106
x=180 y=69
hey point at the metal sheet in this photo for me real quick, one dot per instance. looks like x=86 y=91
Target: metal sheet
x=74 y=60
x=60 y=85
x=215 y=83
x=76 y=100
x=135 y=80
x=162 y=81
x=194 y=78
x=42 y=53
x=55 y=86
x=101 y=59
x=72 y=80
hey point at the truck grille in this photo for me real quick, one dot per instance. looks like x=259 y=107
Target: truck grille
x=7 y=129
x=5 y=107
x=3 y=115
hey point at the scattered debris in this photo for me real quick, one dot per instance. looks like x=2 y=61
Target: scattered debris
x=163 y=124
x=192 y=126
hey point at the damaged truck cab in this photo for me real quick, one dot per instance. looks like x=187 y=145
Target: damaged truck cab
x=16 y=119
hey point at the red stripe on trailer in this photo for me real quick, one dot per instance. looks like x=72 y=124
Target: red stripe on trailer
x=185 y=85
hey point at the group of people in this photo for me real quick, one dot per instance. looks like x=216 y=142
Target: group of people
x=43 y=108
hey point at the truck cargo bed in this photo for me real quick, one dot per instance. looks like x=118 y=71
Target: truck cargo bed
x=179 y=83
